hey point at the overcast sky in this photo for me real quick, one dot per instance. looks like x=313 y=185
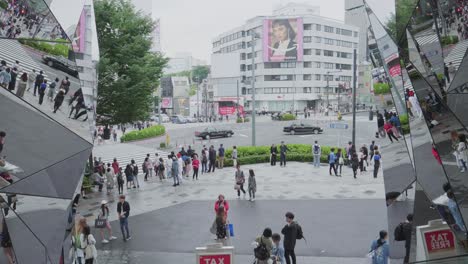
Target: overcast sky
x=189 y=26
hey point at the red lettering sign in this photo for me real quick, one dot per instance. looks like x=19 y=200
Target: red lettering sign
x=215 y=259
x=395 y=70
x=440 y=240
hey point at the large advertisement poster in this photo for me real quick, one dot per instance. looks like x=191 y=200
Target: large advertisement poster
x=78 y=38
x=282 y=40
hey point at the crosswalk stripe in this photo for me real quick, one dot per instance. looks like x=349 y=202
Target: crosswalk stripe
x=125 y=157
x=457 y=54
x=426 y=39
x=12 y=51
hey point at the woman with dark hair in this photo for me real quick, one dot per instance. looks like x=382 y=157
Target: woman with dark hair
x=59 y=100
x=89 y=245
x=284 y=37
x=462 y=151
x=221 y=220
x=380 y=249
x=129 y=175
x=6 y=243
x=104 y=214
x=265 y=239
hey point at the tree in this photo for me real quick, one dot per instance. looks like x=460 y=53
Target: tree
x=128 y=71
x=199 y=73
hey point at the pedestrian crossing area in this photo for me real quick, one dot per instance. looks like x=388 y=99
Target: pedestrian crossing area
x=457 y=54
x=11 y=51
x=426 y=37
x=125 y=152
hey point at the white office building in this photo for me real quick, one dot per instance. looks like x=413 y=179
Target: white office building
x=146 y=7
x=292 y=70
x=182 y=62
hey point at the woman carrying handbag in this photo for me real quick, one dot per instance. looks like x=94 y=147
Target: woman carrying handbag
x=89 y=245
x=240 y=180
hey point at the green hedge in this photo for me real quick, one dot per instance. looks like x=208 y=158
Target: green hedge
x=3 y=5
x=404 y=119
x=261 y=154
x=381 y=88
x=150 y=132
x=239 y=120
x=288 y=117
x=447 y=40
x=57 y=49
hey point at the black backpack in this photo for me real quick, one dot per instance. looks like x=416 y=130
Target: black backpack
x=161 y=166
x=261 y=251
x=316 y=149
x=135 y=169
x=299 y=234
x=399 y=233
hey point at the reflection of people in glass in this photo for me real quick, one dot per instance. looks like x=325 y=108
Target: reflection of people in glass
x=6 y=243
x=284 y=37
x=453 y=207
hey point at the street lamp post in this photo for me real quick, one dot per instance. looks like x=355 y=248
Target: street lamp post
x=159 y=105
x=198 y=97
x=328 y=86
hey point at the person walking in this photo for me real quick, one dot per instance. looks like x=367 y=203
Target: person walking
x=283 y=150
x=39 y=80
x=77 y=244
x=115 y=166
x=376 y=162
x=221 y=157
x=51 y=91
x=204 y=159
x=277 y=252
x=252 y=185
x=58 y=101
x=123 y=209
x=265 y=240
x=240 y=180
x=22 y=85
x=332 y=162
x=339 y=161
x=161 y=170
x=290 y=231
x=104 y=214
x=273 y=154
x=129 y=176
x=175 y=170
x=371 y=151
x=195 y=165
x=234 y=156
x=145 y=166
x=41 y=91
x=317 y=152
x=135 y=173
x=6 y=243
x=388 y=129
x=462 y=150
x=379 y=249
x=212 y=158
x=88 y=242
x=354 y=164
x=120 y=181
x=380 y=125
x=221 y=202
x=110 y=179
x=407 y=227
x=150 y=165
x=31 y=79
x=221 y=221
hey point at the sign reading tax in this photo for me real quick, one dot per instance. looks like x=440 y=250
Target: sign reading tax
x=439 y=240
x=215 y=259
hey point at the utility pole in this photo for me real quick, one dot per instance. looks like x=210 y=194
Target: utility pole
x=198 y=99
x=354 y=97
x=159 y=104
x=237 y=83
x=252 y=33
x=328 y=90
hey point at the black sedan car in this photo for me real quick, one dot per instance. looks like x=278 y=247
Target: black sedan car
x=62 y=64
x=212 y=132
x=302 y=129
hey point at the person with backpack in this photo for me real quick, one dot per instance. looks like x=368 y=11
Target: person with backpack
x=42 y=89
x=129 y=176
x=379 y=249
x=264 y=246
x=377 y=158
x=317 y=152
x=291 y=232
x=277 y=253
x=135 y=173
x=371 y=151
x=120 y=181
x=104 y=214
x=332 y=161
x=240 y=180
x=403 y=233
x=51 y=92
x=252 y=185
x=39 y=80
x=283 y=150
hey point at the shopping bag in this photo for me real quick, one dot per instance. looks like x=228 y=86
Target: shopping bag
x=100 y=223
x=231 y=229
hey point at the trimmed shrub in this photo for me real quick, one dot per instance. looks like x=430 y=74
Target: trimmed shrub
x=405 y=128
x=57 y=49
x=448 y=40
x=381 y=88
x=261 y=154
x=288 y=117
x=404 y=119
x=162 y=145
x=239 y=120
x=149 y=132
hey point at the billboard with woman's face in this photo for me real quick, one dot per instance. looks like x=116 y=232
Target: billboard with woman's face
x=282 y=40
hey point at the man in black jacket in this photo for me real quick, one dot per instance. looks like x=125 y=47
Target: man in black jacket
x=380 y=124
x=123 y=209
x=212 y=158
x=290 y=235
x=407 y=227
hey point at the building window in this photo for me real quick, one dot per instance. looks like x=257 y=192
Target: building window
x=268 y=90
x=249 y=55
x=345 y=55
x=328 y=65
x=328 y=41
x=307 y=51
x=345 y=78
x=355 y=34
x=346 y=44
x=307 y=64
x=277 y=65
x=307 y=39
x=242 y=56
x=338 y=42
x=328 y=29
x=328 y=53
x=346 y=32
x=355 y=45
x=318 y=40
x=318 y=52
x=338 y=31
x=328 y=77
x=287 y=65
x=317 y=77
x=278 y=77
x=307 y=77
x=307 y=90
x=242 y=67
x=318 y=27
x=318 y=64
x=343 y=66
x=307 y=26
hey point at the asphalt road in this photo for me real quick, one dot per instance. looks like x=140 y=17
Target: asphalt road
x=268 y=132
